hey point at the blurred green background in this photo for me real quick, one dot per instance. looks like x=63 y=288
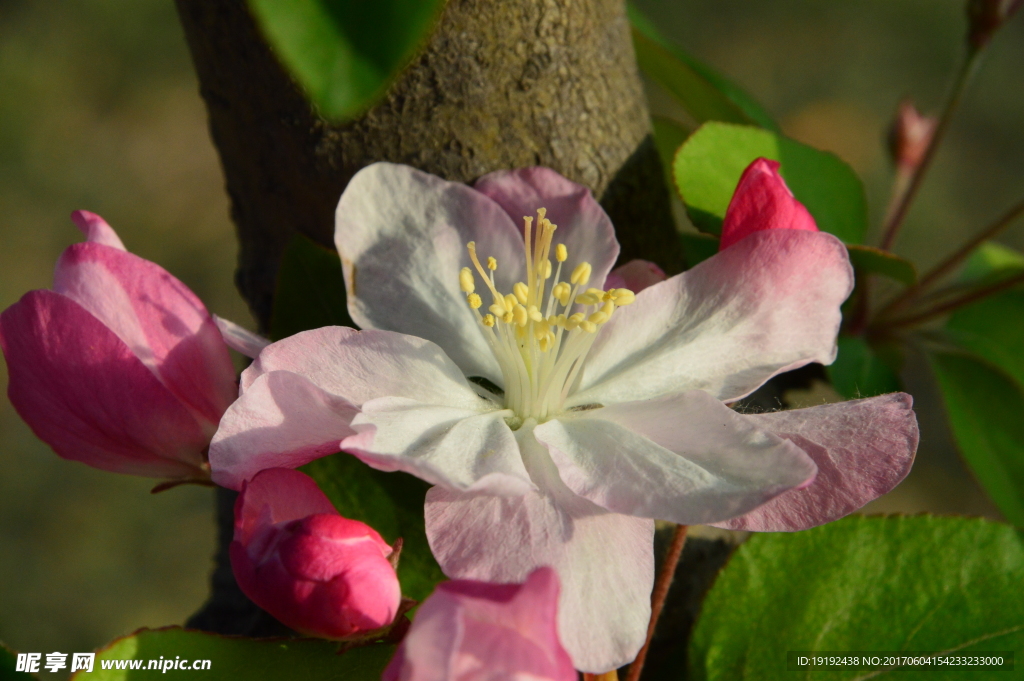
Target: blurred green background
x=99 y=110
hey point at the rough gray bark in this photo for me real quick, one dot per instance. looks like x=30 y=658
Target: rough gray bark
x=500 y=84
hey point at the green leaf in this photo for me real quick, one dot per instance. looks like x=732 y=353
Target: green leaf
x=917 y=583
x=310 y=290
x=993 y=328
x=991 y=258
x=858 y=371
x=871 y=259
x=344 y=54
x=708 y=167
x=233 y=658
x=698 y=247
x=705 y=94
x=9 y=663
x=392 y=504
x=669 y=135
x=985 y=407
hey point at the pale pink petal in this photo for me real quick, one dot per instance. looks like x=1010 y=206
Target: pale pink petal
x=583 y=226
x=239 y=338
x=96 y=229
x=478 y=631
x=365 y=365
x=686 y=458
x=604 y=560
x=158 y=317
x=465 y=449
x=276 y=496
x=762 y=201
x=636 y=275
x=402 y=237
x=83 y=392
x=281 y=421
x=767 y=305
x=863 y=449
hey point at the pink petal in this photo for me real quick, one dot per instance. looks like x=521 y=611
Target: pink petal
x=636 y=275
x=583 y=226
x=83 y=392
x=239 y=338
x=762 y=201
x=766 y=305
x=158 y=317
x=478 y=631
x=276 y=496
x=281 y=421
x=96 y=229
x=863 y=449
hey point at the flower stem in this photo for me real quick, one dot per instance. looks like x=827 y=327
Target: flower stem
x=972 y=297
x=661 y=587
x=906 y=197
x=950 y=263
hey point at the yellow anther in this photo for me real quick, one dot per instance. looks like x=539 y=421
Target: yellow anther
x=581 y=274
x=519 y=315
x=588 y=326
x=488 y=320
x=507 y=318
x=596 y=292
x=561 y=253
x=510 y=301
x=598 y=318
x=474 y=301
x=492 y=263
x=541 y=214
x=545 y=269
x=534 y=313
x=561 y=292
x=587 y=299
x=521 y=292
x=559 y=320
x=466 y=282
x=540 y=330
x=574 y=320
x=623 y=296
x=608 y=308
x=498 y=309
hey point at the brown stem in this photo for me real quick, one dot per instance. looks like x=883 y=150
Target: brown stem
x=897 y=215
x=950 y=263
x=661 y=587
x=956 y=303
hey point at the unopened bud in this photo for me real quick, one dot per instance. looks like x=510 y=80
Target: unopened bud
x=984 y=17
x=909 y=136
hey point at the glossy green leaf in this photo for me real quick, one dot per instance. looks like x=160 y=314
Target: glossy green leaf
x=986 y=412
x=993 y=328
x=233 y=658
x=918 y=583
x=708 y=167
x=874 y=260
x=391 y=503
x=344 y=54
x=310 y=290
x=705 y=94
x=992 y=258
x=669 y=135
x=698 y=247
x=859 y=372
x=8 y=665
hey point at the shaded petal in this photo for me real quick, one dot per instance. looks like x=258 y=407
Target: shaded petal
x=158 y=317
x=239 y=338
x=604 y=560
x=767 y=305
x=636 y=275
x=458 y=448
x=583 y=226
x=276 y=496
x=686 y=458
x=96 y=229
x=281 y=421
x=364 y=365
x=863 y=449
x=402 y=237
x=84 y=393
x=762 y=201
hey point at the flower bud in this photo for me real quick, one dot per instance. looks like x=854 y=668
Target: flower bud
x=477 y=631
x=120 y=366
x=984 y=17
x=761 y=202
x=297 y=558
x=909 y=136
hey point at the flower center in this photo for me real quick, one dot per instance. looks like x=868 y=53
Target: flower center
x=540 y=334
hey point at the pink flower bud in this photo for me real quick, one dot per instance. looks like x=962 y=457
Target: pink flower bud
x=909 y=136
x=120 y=366
x=477 y=631
x=984 y=17
x=297 y=558
x=762 y=201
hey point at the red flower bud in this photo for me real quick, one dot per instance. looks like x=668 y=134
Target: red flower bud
x=909 y=136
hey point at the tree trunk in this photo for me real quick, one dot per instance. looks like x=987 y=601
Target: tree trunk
x=500 y=84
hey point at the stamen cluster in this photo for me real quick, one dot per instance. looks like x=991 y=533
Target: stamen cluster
x=539 y=335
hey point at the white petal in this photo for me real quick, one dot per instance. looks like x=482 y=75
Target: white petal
x=766 y=305
x=687 y=458
x=604 y=560
x=458 y=448
x=239 y=338
x=402 y=237
x=364 y=365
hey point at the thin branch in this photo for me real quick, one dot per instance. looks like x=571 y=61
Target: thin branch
x=899 y=212
x=661 y=587
x=957 y=303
